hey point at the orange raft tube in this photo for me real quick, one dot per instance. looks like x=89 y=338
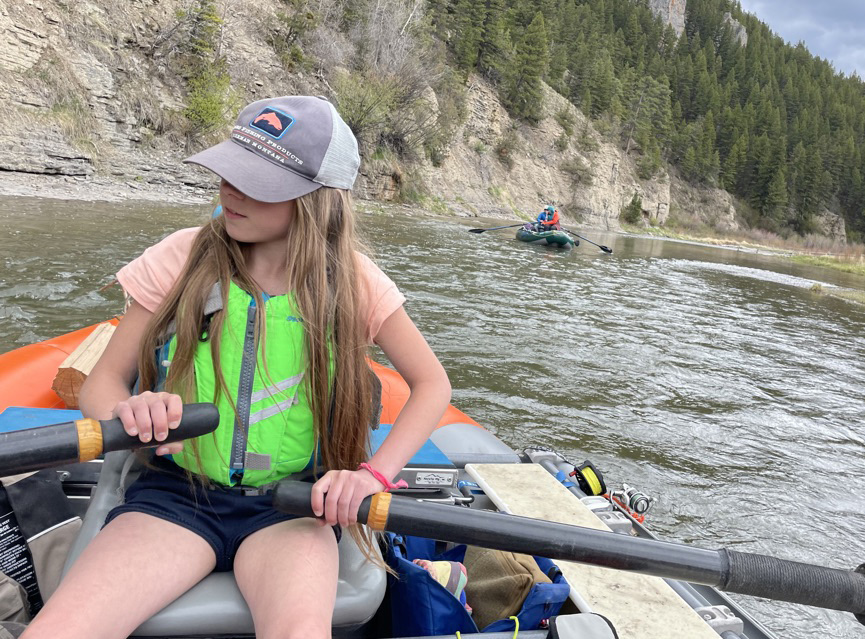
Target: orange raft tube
x=26 y=375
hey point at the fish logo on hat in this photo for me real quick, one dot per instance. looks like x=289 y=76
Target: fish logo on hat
x=272 y=122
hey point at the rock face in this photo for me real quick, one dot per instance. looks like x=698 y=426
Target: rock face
x=831 y=225
x=475 y=180
x=739 y=31
x=85 y=93
x=712 y=207
x=670 y=11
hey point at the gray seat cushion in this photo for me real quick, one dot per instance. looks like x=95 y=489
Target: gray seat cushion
x=215 y=605
x=467 y=444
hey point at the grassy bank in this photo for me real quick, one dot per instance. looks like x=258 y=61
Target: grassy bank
x=810 y=250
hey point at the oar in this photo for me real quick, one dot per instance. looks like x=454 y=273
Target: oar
x=22 y=451
x=729 y=570
x=496 y=228
x=605 y=249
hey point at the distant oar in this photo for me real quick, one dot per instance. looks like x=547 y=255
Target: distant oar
x=496 y=228
x=605 y=249
x=22 y=451
x=729 y=570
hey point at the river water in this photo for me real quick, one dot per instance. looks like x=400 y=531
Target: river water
x=713 y=379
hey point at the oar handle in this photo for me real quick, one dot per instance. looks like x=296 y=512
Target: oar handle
x=773 y=578
x=732 y=571
x=81 y=440
x=295 y=497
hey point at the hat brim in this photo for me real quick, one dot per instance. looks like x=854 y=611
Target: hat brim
x=253 y=175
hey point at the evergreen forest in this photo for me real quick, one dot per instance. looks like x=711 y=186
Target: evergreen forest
x=769 y=122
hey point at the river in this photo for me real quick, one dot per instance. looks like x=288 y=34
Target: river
x=713 y=379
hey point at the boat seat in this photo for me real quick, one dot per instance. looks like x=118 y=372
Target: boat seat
x=468 y=444
x=215 y=606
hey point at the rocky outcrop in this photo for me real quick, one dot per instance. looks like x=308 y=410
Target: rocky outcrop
x=831 y=225
x=84 y=95
x=590 y=180
x=738 y=29
x=670 y=11
x=695 y=205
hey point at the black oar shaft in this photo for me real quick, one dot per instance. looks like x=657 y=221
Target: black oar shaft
x=496 y=228
x=25 y=450
x=81 y=440
x=605 y=249
x=731 y=571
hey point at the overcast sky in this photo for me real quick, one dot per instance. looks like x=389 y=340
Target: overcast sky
x=831 y=29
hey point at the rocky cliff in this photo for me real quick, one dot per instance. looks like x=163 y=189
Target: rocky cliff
x=590 y=180
x=86 y=98
x=670 y=11
x=738 y=29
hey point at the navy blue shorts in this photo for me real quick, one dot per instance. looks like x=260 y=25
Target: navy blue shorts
x=222 y=516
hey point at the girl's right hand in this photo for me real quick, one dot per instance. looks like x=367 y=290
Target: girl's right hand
x=150 y=416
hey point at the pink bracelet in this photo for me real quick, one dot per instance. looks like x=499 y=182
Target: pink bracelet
x=388 y=486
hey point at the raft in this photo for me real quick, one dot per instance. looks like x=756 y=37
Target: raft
x=463 y=464
x=559 y=239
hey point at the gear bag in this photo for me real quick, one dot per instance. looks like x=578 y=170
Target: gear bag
x=421 y=606
x=37 y=528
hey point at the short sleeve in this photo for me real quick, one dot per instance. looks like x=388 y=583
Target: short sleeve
x=380 y=297
x=148 y=278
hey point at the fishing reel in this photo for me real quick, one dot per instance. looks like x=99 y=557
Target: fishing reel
x=633 y=499
x=589 y=479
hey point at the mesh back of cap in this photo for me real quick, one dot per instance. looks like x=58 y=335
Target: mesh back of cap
x=340 y=163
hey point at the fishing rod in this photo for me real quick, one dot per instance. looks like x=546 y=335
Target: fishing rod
x=727 y=570
x=23 y=451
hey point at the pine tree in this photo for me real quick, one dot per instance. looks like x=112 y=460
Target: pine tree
x=467 y=33
x=602 y=84
x=734 y=164
x=494 y=45
x=776 y=196
x=524 y=92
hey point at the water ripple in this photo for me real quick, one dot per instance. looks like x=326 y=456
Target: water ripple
x=715 y=380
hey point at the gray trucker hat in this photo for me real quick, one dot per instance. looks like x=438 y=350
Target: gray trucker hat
x=283 y=148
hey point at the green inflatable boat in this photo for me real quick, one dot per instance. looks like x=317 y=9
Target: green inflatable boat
x=546 y=238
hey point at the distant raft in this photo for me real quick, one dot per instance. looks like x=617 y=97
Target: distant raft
x=546 y=238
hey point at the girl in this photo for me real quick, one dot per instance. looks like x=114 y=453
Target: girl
x=267 y=311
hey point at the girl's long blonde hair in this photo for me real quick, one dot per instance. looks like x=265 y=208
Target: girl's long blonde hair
x=323 y=273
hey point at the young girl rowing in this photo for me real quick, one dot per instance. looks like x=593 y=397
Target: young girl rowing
x=266 y=311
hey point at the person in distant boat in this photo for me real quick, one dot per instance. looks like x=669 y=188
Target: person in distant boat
x=282 y=254
x=548 y=219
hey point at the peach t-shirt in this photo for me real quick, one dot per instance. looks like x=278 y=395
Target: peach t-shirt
x=148 y=278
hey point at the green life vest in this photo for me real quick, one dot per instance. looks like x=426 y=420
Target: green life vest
x=271 y=435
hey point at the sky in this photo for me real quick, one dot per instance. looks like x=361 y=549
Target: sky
x=831 y=29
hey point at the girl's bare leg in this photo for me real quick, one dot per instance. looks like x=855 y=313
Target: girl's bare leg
x=287 y=574
x=133 y=568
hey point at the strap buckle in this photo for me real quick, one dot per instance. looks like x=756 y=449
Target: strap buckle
x=256 y=491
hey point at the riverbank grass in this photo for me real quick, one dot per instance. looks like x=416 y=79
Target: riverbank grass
x=810 y=250
x=840 y=263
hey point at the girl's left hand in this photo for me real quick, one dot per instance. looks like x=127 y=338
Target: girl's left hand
x=339 y=492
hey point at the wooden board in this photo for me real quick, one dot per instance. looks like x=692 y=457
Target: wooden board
x=640 y=606
x=75 y=368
